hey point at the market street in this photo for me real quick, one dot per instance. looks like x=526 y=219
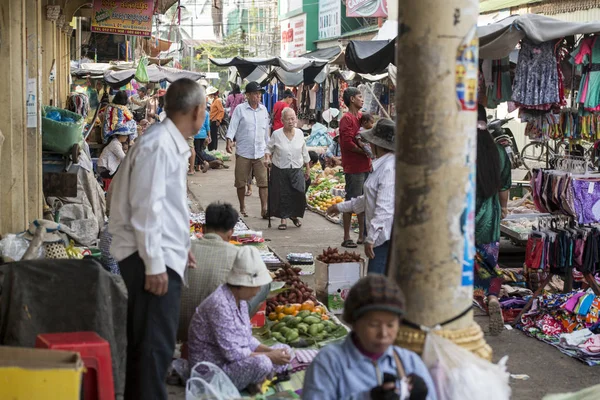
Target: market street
x=527 y=356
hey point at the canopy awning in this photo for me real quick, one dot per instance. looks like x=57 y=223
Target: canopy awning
x=156 y=74
x=370 y=57
x=329 y=53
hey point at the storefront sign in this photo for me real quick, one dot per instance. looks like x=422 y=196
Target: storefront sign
x=366 y=8
x=293 y=36
x=330 y=24
x=123 y=17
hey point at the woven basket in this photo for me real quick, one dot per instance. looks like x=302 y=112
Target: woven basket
x=52 y=13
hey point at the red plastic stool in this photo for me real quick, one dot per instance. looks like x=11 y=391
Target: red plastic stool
x=98 y=381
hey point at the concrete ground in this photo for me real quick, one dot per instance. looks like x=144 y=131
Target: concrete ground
x=549 y=370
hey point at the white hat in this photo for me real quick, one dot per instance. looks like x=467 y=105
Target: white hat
x=330 y=114
x=249 y=270
x=211 y=90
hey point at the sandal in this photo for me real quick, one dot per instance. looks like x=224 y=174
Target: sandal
x=244 y=213
x=282 y=227
x=191 y=173
x=296 y=222
x=248 y=192
x=360 y=241
x=349 y=244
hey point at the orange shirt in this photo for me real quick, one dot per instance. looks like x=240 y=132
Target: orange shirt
x=217 y=112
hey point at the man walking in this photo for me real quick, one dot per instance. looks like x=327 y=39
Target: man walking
x=355 y=161
x=249 y=126
x=285 y=102
x=150 y=227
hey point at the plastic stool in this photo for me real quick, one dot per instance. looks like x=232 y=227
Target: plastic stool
x=98 y=381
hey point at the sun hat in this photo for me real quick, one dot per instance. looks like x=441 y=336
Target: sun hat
x=287 y=94
x=211 y=90
x=373 y=293
x=254 y=87
x=249 y=270
x=383 y=134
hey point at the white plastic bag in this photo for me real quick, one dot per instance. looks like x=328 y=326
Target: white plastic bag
x=15 y=246
x=198 y=389
x=214 y=382
x=459 y=374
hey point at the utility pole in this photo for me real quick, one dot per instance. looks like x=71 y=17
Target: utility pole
x=436 y=102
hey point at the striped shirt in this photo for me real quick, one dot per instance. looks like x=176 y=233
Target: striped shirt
x=378 y=200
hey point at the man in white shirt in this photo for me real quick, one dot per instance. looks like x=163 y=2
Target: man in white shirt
x=249 y=126
x=149 y=223
x=378 y=200
x=139 y=103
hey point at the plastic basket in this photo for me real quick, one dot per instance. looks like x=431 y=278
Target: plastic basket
x=59 y=137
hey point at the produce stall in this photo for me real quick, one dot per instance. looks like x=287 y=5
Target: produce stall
x=327 y=189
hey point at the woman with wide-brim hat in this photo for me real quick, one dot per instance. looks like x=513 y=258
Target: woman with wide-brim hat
x=355 y=368
x=378 y=200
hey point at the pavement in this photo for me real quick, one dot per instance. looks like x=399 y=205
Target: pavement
x=549 y=370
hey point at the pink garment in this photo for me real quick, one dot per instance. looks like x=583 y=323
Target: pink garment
x=592 y=345
x=234 y=100
x=572 y=302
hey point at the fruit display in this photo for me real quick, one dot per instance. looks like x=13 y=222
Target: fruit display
x=292 y=297
x=306 y=328
x=333 y=256
x=323 y=200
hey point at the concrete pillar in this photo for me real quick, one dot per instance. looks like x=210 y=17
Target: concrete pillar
x=432 y=257
x=13 y=179
x=34 y=127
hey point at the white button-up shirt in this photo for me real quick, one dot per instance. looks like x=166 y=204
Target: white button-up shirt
x=250 y=128
x=112 y=156
x=378 y=200
x=148 y=201
x=288 y=153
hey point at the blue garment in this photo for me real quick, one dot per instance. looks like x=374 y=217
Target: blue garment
x=334 y=150
x=205 y=130
x=341 y=372
x=377 y=265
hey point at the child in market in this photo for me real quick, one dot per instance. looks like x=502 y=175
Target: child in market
x=366 y=122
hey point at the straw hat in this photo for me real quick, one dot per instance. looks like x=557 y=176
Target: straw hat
x=211 y=90
x=249 y=270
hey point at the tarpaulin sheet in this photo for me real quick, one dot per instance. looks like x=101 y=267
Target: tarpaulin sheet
x=287 y=64
x=156 y=74
x=370 y=57
x=50 y=296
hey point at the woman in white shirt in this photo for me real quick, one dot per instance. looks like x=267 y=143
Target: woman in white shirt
x=379 y=196
x=112 y=155
x=286 y=154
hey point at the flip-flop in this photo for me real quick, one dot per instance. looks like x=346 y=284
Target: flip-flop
x=244 y=213
x=349 y=244
x=360 y=241
x=282 y=227
x=191 y=173
x=296 y=222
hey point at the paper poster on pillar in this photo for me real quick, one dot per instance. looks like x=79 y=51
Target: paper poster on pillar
x=123 y=17
x=468 y=224
x=467 y=69
x=31 y=103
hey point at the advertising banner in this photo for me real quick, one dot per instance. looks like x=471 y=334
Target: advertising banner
x=123 y=17
x=293 y=36
x=366 y=8
x=330 y=24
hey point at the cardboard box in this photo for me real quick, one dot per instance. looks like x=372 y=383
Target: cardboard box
x=260 y=318
x=334 y=281
x=27 y=373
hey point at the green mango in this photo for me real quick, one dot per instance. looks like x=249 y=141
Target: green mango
x=292 y=335
x=303 y=314
x=311 y=320
x=303 y=328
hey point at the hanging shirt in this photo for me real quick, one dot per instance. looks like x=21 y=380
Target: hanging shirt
x=277 y=111
x=378 y=200
x=288 y=153
x=250 y=128
x=353 y=163
x=149 y=210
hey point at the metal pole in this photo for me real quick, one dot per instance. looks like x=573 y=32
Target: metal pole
x=436 y=103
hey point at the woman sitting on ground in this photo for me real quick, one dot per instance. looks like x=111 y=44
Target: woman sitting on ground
x=286 y=154
x=220 y=331
x=355 y=368
x=112 y=155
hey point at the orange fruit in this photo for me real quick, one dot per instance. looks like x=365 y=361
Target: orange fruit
x=325 y=317
x=318 y=309
x=280 y=316
x=272 y=316
x=279 y=309
x=297 y=306
x=289 y=309
x=308 y=305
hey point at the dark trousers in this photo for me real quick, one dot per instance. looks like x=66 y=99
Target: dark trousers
x=214 y=136
x=378 y=264
x=151 y=331
x=199 y=147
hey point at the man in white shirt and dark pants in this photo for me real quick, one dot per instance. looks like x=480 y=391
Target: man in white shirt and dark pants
x=249 y=126
x=378 y=200
x=149 y=223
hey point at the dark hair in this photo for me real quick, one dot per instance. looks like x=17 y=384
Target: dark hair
x=488 y=165
x=143 y=89
x=366 y=117
x=120 y=98
x=235 y=88
x=348 y=94
x=221 y=217
x=314 y=157
x=481 y=113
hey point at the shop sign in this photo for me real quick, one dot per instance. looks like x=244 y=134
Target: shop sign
x=293 y=36
x=123 y=17
x=330 y=24
x=366 y=8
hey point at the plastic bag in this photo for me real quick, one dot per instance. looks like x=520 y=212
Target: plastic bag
x=141 y=73
x=213 y=381
x=54 y=115
x=460 y=374
x=14 y=247
x=198 y=389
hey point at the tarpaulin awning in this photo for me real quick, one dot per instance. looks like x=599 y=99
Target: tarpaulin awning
x=498 y=40
x=156 y=74
x=329 y=53
x=370 y=57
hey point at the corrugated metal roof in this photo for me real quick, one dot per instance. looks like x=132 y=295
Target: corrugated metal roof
x=494 y=5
